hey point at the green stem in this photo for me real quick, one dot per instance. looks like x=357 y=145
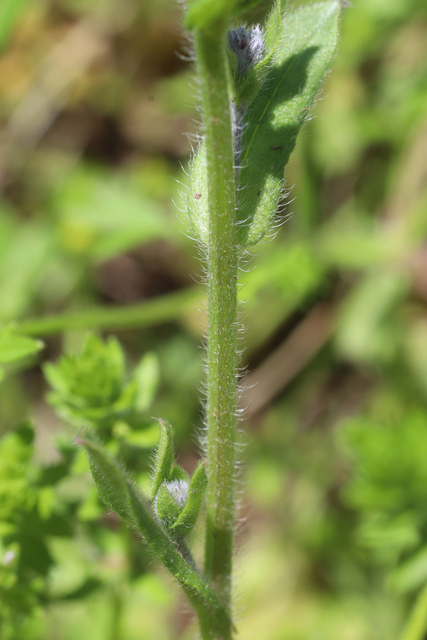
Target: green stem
x=222 y=314
x=416 y=627
x=116 y=612
x=139 y=315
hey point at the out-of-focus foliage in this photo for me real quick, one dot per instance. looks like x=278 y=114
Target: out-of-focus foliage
x=90 y=389
x=388 y=487
x=94 y=101
x=15 y=347
x=29 y=516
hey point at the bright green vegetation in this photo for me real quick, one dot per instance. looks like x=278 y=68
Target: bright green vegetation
x=112 y=520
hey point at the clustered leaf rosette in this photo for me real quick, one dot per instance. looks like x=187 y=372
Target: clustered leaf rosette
x=177 y=499
x=90 y=389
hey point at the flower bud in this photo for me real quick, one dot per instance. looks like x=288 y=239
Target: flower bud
x=248 y=46
x=170 y=501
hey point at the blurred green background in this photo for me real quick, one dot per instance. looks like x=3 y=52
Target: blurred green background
x=96 y=97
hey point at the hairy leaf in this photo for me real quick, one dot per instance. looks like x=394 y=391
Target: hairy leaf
x=273 y=27
x=197 y=195
x=109 y=479
x=164 y=457
x=199 y=593
x=122 y=497
x=301 y=62
x=287 y=82
x=188 y=516
x=178 y=473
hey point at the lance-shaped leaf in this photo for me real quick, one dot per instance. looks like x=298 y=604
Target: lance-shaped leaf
x=188 y=516
x=122 y=497
x=164 y=457
x=109 y=479
x=178 y=473
x=244 y=89
x=273 y=27
x=301 y=62
x=276 y=94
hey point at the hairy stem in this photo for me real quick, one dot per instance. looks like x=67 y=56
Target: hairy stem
x=222 y=309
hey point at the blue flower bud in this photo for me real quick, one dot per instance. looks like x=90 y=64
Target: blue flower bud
x=178 y=489
x=248 y=46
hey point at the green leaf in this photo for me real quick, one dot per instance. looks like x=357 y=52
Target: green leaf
x=197 y=195
x=416 y=625
x=142 y=433
x=26 y=254
x=188 y=516
x=121 y=496
x=178 y=473
x=88 y=224
x=164 y=457
x=14 y=346
x=281 y=89
x=199 y=593
x=301 y=62
x=146 y=374
x=412 y=574
x=244 y=5
x=109 y=479
x=203 y=13
x=89 y=389
x=93 y=378
x=273 y=28
x=368 y=327
x=17 y=495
